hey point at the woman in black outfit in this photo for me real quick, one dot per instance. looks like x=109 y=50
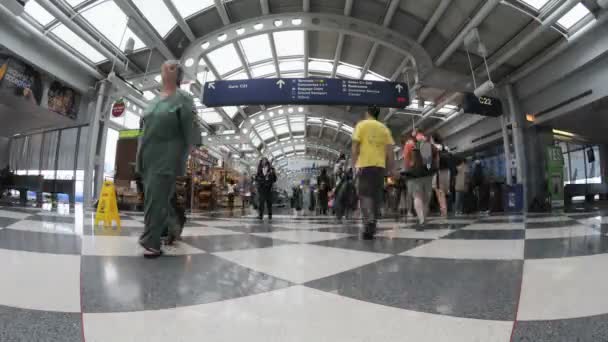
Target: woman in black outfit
x=324 y=186
x=265 y=178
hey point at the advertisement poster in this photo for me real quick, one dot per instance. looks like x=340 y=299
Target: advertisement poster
x=555 y=175
x=63 y=100
x=19 y=79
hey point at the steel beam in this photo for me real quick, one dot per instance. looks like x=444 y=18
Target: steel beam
x=483 y=13
x=181 y=22
x=322 y=127
x=430 y=25
x=265 y=7
x=221 y=9
x=129 y=8
x=241 y=54
x=275 y=57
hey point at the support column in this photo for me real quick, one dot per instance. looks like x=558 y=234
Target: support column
x=93 y=146
x=518 y=125
x=604 y=162
x=507 y=147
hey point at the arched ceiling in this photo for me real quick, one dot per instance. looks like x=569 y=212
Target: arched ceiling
x=419 y=42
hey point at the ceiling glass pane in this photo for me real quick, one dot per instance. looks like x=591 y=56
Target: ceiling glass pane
x=289 y=43
x=536 y=4
x=205 y=77
x=298 y=127
x=292 y=66
x=75 y=3
x=262 y=127
x=210 y=116
x=231 y=111
x=98 y=14
x=38 y=13
x=256 y=141
x=77 y=43
x=320 y=66
x=189 y=7
x=263 y=70
x=282 y=129
x=238 y=76
x=348 y=71
x=257 y=48
x=373 y=77
x=267 y=134
x=576 y=14
x=157 y=14
x=225 y=59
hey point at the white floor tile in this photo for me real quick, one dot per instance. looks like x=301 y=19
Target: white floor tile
x=15 y=214
x=40 y=281
x=596 y=220
x=207 y=231
x=127 y=246
x=303 y=236
x=413 y=234
x=556 y=233
x=46 y=227
x=564 y=288
x=296 y=314
x=494 y=226
x=303 y=225
x=553 y=218
x=301 y=263
x=222 y=223
x=470 y=249
x=451 y=221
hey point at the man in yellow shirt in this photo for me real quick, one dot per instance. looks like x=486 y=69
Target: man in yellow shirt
x=372 y=154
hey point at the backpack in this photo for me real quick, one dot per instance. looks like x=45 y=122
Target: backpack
x=423 y=162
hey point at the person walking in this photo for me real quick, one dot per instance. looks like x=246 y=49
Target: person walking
x=162 y=155
x=461 y=185
x=265 y=179
x=372 y=153
x=421 y=161
x=441 y=180
x=323 y=184
x=230 y=192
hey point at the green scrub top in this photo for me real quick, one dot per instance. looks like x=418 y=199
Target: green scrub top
x=166 y=140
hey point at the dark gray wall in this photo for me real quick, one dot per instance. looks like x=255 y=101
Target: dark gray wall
x=4 y=151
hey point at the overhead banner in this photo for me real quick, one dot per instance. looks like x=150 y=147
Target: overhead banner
x=19 y=79
x=22 y=80
x=306 y=91
x=484 y=105
x=63 y=100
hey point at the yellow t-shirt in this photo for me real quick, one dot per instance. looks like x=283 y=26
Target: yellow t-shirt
x=373 y=136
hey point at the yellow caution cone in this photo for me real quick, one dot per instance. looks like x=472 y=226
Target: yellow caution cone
x=107 y=208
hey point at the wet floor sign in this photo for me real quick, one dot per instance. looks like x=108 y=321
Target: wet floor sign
x=107 y=208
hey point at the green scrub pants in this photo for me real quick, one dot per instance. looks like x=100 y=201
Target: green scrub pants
x=158 y=211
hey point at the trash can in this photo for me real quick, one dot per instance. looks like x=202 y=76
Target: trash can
x=513 y=198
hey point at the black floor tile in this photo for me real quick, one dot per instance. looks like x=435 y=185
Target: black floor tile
x=378 y=245
x=514 y=234
x=586 y=329
x=566 y=247
x=223 y=243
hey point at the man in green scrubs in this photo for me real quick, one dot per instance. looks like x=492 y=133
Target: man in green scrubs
x=163 y=151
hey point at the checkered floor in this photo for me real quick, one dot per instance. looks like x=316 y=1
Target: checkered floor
x=492 y=278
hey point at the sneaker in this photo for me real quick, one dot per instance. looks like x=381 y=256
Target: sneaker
x=150 y=253
x=370 y=231
x=419 y=227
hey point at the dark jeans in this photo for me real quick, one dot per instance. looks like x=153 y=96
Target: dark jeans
x=460 y=201
x=371 y=191
x=265 y=200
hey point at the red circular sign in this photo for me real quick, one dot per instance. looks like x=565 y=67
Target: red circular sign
x=117 y=109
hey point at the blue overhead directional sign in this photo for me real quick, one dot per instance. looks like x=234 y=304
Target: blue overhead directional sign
x=305 y=91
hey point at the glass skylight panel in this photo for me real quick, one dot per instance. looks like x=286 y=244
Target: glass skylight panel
x=201 y=77
x=331 y=123
x=347 y=128
x=231 y=111
x=189 y=7
x=98 y=14
x=38 y=13
x=262 y=127
x=280 y=122
x=293 y=75
x=573 y=16
x=75 y=3
x=238 y=76
x=289 y=43
x=444 y=110
x=157 y=14
x=298 y=127
x=281 y=129
x=263 y=70
x=300 y=147
x=293 y=119
x=267 y=134
x=321 y=66
x=225 y=59
x=276 y=153
x=256 y=141
x=536 y=4
x=148 y=95
x=210 y=116
x=257 y=48
x=77 y=43
x=314 y=120
x=291 y=66
x=348 y=71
